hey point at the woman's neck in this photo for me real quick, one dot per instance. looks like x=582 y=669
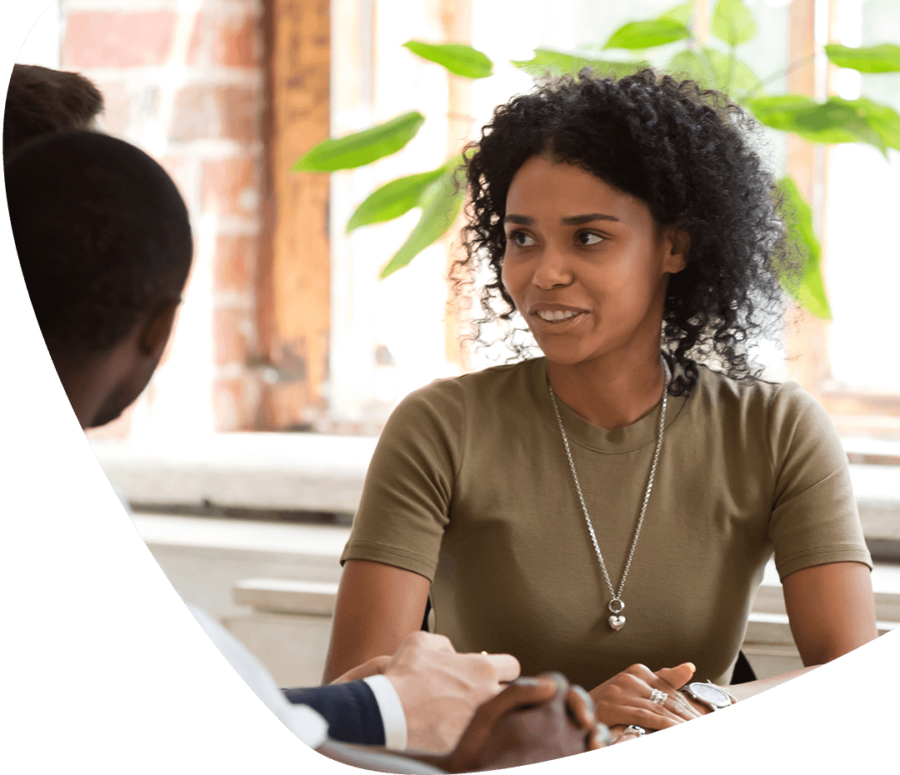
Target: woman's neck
x=607 y=395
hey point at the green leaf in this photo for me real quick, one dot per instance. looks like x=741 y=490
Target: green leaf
x=392 y=200
x=557 y=63
x=440 y=203
x=769 y=108
x=732 y=22
x=361 y=148
x=458 y=58
x=714 y=70
x=689 y=64
x=834 y=121
x=881 y=118
x=640 y=35
x=873 y=59
x=809 y=292
x=680 y=13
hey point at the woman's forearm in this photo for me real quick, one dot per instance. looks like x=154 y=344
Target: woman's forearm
x=745 y=691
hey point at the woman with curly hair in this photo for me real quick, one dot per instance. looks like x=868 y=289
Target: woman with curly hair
x=607 y=510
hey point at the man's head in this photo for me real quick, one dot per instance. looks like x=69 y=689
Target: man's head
x=41 y=101
x=105 y=245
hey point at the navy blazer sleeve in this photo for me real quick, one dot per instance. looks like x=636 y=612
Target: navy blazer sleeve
x=350 y=709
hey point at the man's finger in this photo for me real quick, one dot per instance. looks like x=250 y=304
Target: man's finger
x=581 y=707
x=600 y=737
x=523 y=692
x=505 y=667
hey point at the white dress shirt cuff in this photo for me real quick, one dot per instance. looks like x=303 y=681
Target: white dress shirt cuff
x=392 y=716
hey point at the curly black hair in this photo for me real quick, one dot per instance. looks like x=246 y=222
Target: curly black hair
x=686 y=153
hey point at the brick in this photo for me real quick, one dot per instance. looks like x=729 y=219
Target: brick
x=232 y=329
x=241 y=113
x=235 y=259
x=235 y=404
x=226 y=41
x=230 y=187
x=201 y=111
x=116 y=39
x=117 y=109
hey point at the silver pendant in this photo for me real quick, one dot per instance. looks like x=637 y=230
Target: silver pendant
x=616 y=621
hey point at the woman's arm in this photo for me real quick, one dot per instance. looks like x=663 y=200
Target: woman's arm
x=378 y=606
x=831 y=609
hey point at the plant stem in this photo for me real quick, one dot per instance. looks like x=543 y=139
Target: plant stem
x=781 y=73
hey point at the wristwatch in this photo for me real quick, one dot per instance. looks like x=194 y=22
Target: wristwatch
x=712 y=696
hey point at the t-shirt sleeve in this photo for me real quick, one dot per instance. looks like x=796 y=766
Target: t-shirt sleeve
x=409 y=485
x=814 y=519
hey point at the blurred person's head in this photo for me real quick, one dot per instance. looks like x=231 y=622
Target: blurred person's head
x=41 y=101
x=105 y=245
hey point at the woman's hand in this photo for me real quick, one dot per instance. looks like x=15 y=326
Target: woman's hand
x=625 y=698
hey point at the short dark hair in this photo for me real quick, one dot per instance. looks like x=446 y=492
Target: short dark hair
x=103 y=237
x=40 y=101
x=687 y=154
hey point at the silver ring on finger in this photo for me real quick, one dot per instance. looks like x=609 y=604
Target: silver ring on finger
x=658 y=698
x=634 y=729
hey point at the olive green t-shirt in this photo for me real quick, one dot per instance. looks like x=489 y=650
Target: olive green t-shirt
x=469 y=486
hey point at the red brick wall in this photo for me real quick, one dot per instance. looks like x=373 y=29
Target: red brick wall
x=187 y=86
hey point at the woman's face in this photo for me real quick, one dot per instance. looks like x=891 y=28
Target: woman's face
x=585 y=264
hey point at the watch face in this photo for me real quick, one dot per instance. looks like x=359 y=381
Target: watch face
x=712 y=694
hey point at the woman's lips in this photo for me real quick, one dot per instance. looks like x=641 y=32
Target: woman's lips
x=556 y=318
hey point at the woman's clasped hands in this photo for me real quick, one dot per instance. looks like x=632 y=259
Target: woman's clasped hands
x=639 y=697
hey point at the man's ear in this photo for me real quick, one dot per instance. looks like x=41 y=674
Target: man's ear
x=157 y=329
x=676 y=242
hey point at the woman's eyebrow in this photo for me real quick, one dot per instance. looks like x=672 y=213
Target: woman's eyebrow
x=578 y=220
x=575 y=220
x=522 y=220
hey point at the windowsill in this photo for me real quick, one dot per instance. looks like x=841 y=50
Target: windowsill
x=313 y=552
x=315 y=474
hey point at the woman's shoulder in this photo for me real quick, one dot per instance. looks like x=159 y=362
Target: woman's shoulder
x=750 y=390
x=781 y=406
x=446 y=409
x=508 y=380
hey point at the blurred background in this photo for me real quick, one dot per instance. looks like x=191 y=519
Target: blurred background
x=244 y=458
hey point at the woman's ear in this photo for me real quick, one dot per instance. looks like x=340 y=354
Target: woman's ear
x=676 y=242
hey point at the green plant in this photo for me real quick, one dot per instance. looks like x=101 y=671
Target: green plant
x=833 y=121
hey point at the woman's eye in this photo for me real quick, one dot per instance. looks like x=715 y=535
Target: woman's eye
x=589 y=238
x=521 y=239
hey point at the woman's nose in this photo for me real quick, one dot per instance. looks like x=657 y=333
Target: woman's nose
x=552 y=270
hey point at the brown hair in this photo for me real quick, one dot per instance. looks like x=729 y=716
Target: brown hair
x=41 y=101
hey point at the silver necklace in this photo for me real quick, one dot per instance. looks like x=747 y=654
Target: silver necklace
x=616 y=605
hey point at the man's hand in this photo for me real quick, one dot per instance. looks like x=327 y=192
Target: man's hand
x=532 y=720
x=440 y=689
x=375 y=666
